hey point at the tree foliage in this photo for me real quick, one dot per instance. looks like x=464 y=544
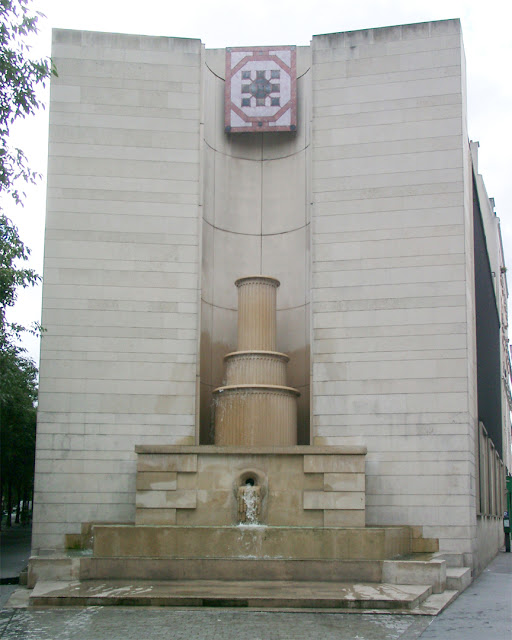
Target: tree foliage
x=12 y=278
x=20 y=76
x=18 y=379
x=18 y=384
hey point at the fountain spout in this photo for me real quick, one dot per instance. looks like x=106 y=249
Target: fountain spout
x=249 y=504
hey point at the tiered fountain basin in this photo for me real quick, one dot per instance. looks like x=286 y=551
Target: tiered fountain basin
x=254 y=414
x=261 y=367
x=255 y=407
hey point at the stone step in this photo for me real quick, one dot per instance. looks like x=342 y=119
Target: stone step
x=231 y=569
x=458 y=578
x=215 y=593
x=451 y=559
x=311 y=543
x=410 y=571
x=434 y=604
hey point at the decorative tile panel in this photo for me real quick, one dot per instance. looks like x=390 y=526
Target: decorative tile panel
x=261 y=89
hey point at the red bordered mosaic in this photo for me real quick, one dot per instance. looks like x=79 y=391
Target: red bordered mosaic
x=261 y=89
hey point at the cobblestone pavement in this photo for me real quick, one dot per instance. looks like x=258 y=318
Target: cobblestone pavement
x=107 y=623
x=482 y=612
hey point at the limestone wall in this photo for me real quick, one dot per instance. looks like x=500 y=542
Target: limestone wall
x=121 y=272
x=392 y=284
x=364 y=215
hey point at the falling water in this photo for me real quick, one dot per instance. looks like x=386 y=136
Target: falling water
x=250 y=497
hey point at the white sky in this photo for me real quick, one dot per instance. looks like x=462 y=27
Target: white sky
x=219 y=23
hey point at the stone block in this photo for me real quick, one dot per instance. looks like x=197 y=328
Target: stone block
x=157 y=481
x=344 y=518
x=155 y=516
x=432 y=572
x=186 y=481
x=424 y=545
x=334 y=464
x=239 y=542
x=230 y=569
x=179 y=499
x=234 y=254
x=458 y=578
x=276 y=252
x=314 y=482
x=344 y=482
x=65 y=93
x=333 y=500
x=52 y=568
x=167 y=462
x=282 y=195
x=237 y=210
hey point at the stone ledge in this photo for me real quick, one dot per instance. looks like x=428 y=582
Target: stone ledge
x=310 y=543
x=212 y=449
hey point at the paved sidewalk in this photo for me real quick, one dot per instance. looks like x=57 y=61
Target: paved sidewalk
x=483 y=611
x=14 y=550
x=14 y=555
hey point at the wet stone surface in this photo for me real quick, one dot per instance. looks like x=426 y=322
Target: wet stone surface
x=106 y=623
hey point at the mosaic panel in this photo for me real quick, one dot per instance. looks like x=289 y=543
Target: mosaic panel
x=261 y=89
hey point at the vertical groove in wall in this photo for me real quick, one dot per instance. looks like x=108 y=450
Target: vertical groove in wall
x=261 y=206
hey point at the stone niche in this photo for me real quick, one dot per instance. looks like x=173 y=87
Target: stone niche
x=297 y=486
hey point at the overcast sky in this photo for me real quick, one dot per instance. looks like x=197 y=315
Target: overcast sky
x=222 y=23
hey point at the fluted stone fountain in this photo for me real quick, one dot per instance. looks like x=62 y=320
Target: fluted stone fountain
x=254 y=520
x=255 y=407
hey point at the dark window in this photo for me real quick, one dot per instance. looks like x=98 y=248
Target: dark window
x=487 y=335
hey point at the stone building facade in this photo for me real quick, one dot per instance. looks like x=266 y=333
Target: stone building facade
x=372 y=215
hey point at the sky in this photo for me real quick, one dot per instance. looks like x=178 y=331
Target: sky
x=222 y=23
